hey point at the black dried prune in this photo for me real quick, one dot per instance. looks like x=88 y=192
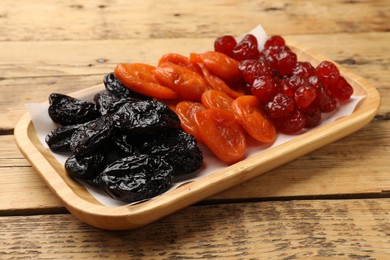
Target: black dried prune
x=87 y=167
x=59 y=138
x=177 y=148
x=91 y=136
x=136 y=178
x=145 y=117
x=108 y=103
x=104 y=101
x=125 y=144
x=114 y=86
x=67 y=110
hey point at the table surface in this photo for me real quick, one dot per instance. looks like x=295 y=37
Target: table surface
x=333 y=202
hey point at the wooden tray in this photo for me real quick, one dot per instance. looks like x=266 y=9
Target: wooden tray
x=85 y=207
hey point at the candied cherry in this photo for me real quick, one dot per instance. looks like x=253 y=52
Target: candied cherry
x=324 y=100
x=246 y=49
x=252 y=69
x=281 y=59
x=312 y=116
x=264 y=88
x=292 y=123
x=275 y=40
x=328 y=73
x=342 y=90
x=225 y=44
x=280 y=106
x=294 y=82
x=304 y=69
x=304 y=96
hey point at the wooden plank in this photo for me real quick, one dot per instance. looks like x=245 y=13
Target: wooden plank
x=346 y=229
x=55 y=20
x=45 y=67
x=361 y=159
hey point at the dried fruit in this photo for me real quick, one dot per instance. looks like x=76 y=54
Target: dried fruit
x=59 y=138
x=225 y=44
x=145 y=117
x=185 y=82
x=246 y=49
x=67 y=110
x=115 y=87
x=247 y=112
x=86 y=167
x=136 y=177
x=280 y=106
x=91 y=136
x=222 y=134
x=139 y=78
x=327 y=73
x=177 y=148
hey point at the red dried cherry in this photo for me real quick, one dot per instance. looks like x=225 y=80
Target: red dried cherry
x=304 y=69
x=281 y=59
x=294 y=82
x=291 y=123
x=312 y=116
x=328 y=73
x=246 y=49
x=304 y=96
x=254 y=68
x=342 y=90
x=324 y=100
x=264 y=88
x=280 y=106
x=225 y=44
x=275 y=40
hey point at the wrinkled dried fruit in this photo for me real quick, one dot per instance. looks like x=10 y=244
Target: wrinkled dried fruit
x=86 y=167
x=145 y=117
x=91 y=136
x=59 y=138
x=67 y=110
x=136 y=178
x=177 y=148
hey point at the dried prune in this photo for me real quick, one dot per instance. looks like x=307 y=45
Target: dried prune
x=67 y=110
x=104 y=101
x=91 y=136
x=136 y=177
x=108 y=103
x=125 y=144
x=114 y=86
x=59 y=138
x=177 y=148
x=87 y=167
x=145 y=117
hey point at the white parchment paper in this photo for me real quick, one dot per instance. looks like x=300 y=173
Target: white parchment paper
x=43 y=125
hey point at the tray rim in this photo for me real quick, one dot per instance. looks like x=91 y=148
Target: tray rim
x=133 y=216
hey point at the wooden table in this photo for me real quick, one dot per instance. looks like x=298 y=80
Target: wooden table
x=333 y=202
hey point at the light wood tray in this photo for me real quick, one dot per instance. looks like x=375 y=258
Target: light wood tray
x=85 y=207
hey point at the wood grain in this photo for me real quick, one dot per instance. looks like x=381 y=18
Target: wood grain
x=347 y=229
x=101 y=20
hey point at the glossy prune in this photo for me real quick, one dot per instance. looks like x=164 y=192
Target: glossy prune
x=126 y=144
x=67 y=110
x=87 y=167
x=91 y=136
x=108 y=103
x=136 y=177
x=177 y=148
x=59 y=138
x=114 y=86
x=145 y=117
